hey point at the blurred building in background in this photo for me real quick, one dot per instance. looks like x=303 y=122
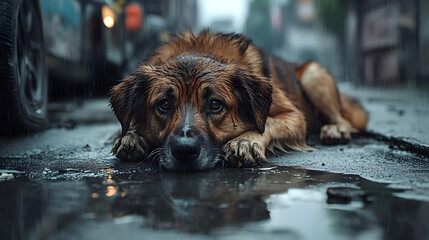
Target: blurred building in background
x=390 y=40
x=376 y=42
x=371 y=42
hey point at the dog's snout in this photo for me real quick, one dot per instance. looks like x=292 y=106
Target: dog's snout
x=185 y=149
x=187 y=133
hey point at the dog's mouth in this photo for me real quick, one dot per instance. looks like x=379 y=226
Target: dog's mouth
x=189 y=154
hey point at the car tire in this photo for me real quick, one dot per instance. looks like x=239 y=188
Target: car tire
x=23 y=82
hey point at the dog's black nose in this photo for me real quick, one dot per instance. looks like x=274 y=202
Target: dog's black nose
x=186 y=149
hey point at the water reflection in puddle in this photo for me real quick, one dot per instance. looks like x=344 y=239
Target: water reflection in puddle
x=132 y=202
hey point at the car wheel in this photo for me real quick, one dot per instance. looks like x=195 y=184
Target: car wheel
x=23 y=83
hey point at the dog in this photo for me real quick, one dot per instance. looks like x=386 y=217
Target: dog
x=211 y=98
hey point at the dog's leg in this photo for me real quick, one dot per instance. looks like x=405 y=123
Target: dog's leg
x=130 y=147
x=354 y=113
x=285 y=128
x=320 y=88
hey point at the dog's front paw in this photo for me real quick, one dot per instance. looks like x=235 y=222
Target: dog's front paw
x=242 y=152
x=335 y=134
x=130 y=147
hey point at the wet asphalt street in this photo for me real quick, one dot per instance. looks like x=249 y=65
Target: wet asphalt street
x=64 y=184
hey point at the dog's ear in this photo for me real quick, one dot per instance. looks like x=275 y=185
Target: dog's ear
x=127 y=99
x=254 y=97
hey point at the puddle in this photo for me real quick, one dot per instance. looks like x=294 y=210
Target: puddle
x=136 y=201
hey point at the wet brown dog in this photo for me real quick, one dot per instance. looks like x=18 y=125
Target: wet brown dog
x=207 y=98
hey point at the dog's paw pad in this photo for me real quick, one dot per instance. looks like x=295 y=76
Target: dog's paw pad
x=244 y=153
x=335 y=134
x=130 y=147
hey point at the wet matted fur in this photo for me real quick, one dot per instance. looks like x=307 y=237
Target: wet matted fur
x=207 y=98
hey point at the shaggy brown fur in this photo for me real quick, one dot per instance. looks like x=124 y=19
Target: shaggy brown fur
x=223 y=92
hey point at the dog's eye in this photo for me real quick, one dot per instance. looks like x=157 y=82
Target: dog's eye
x=164 y=106
x=215 y=106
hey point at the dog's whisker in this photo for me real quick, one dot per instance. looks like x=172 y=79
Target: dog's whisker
x=223 y=159
x=154 y=155
x=155 y=158
x=155 y=151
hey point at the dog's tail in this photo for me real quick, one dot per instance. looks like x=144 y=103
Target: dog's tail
x=353 y=112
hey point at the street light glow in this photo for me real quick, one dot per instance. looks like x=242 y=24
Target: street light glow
x=108 y=16
x=109 y=22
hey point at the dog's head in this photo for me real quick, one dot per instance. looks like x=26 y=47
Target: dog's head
x=190 y=106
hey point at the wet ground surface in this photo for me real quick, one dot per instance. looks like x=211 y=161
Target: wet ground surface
x=400 y=112
x=64 y=184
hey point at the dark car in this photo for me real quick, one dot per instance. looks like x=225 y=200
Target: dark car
x=23 y=83
x=83 y=41
x=86 y=40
